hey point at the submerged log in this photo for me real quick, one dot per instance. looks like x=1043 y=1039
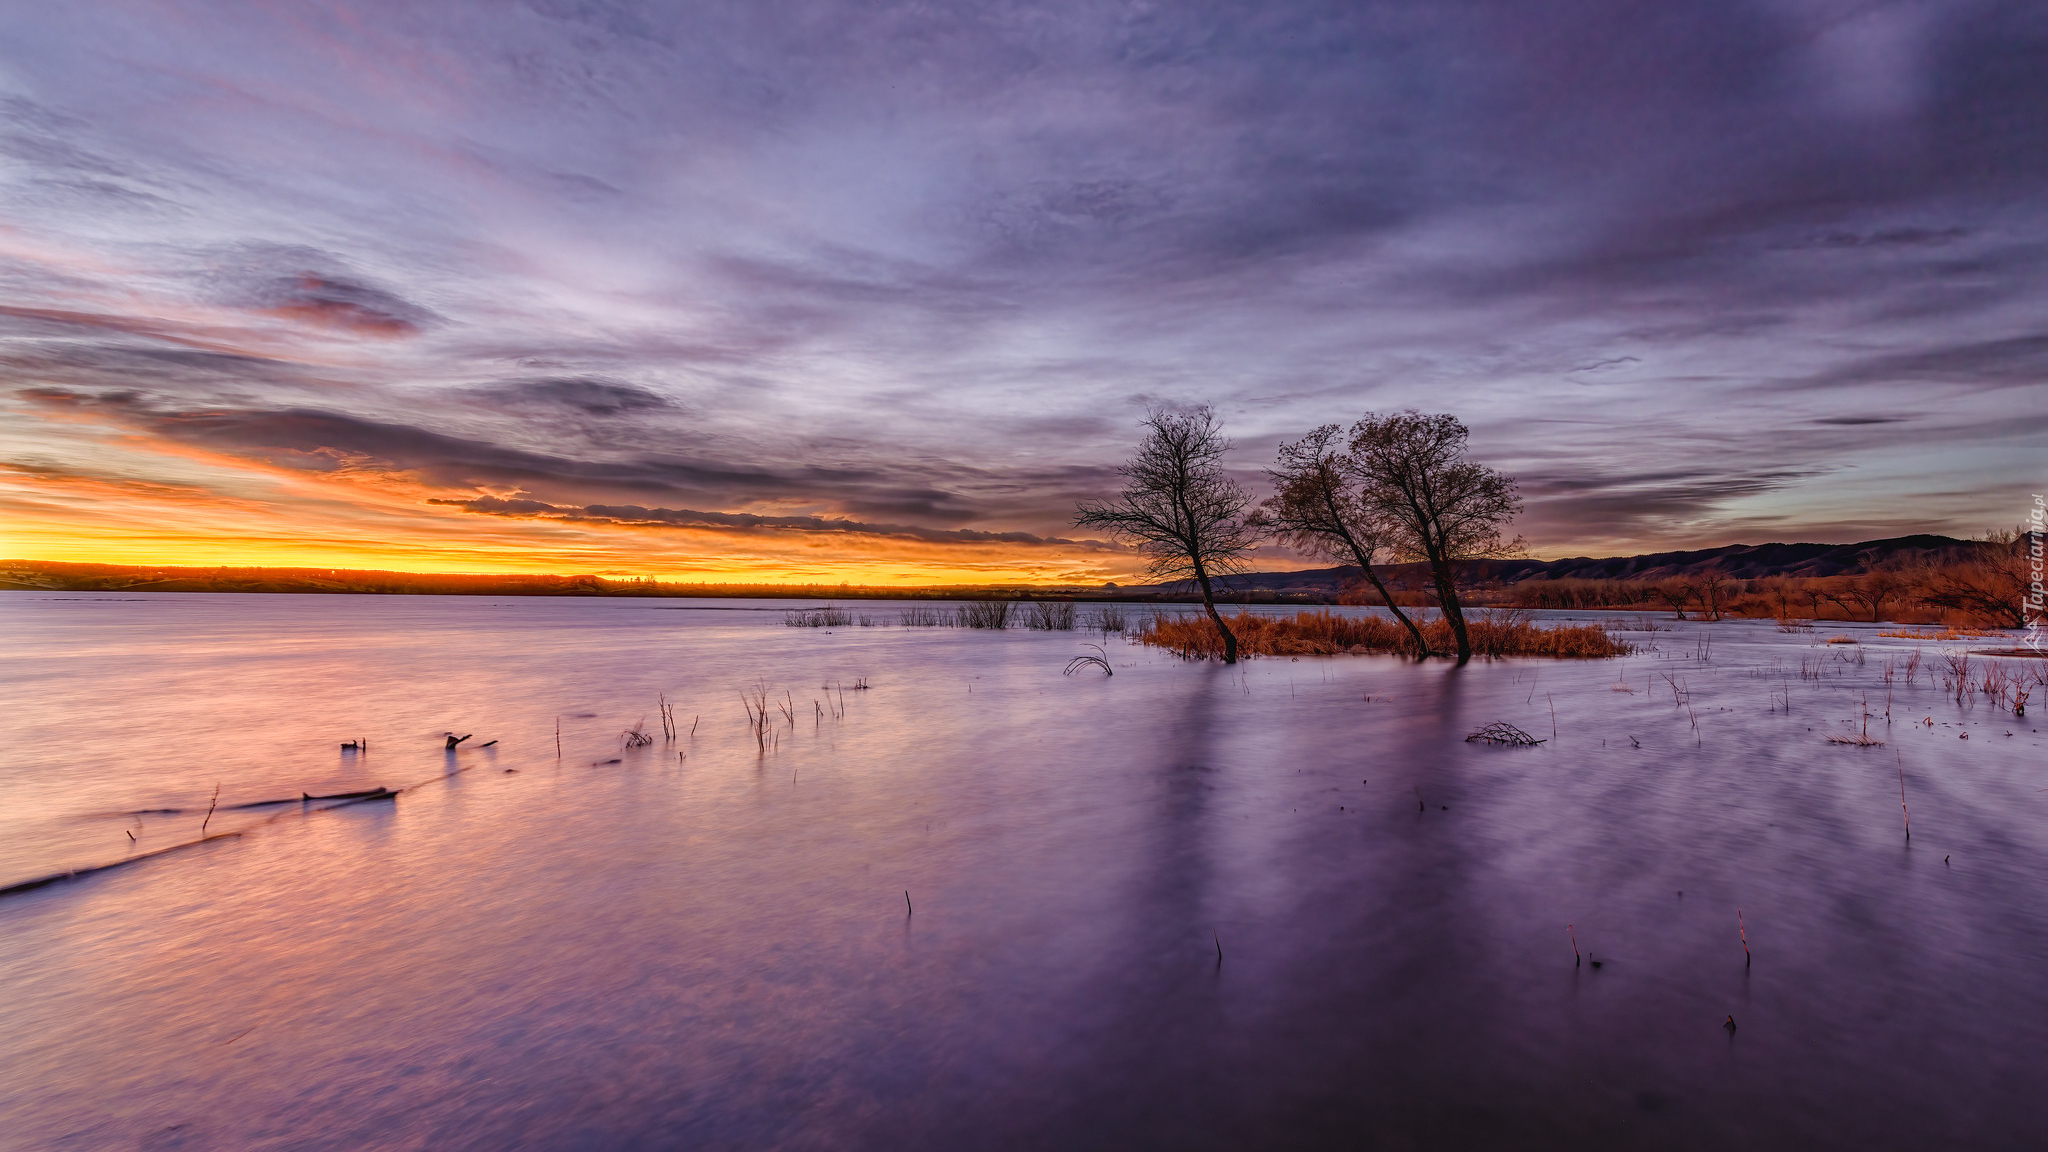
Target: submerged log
x=379 y=793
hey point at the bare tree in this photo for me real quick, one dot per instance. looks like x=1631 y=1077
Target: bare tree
x=1873 y=590
x=1315 y=509
x=1779 y=589
x=1179 y=507
x=1413 y=473
x=1677 y=593
x=1712 y=588
x=1993 y=583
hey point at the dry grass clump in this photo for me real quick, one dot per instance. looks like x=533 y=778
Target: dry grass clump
x=1325 y=633
x=1944 y=634
x=1049 y=615
x=1109 y=618
x=984 y=614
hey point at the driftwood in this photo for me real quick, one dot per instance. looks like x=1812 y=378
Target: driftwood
x=379 y=793
x=453 y=739
x=347 y=798
x=75 y=873
x=1502 y=732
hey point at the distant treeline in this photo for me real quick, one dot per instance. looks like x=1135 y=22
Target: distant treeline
x=67 y=577
x=1980 y=583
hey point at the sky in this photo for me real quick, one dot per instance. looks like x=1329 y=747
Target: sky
x=877 y=292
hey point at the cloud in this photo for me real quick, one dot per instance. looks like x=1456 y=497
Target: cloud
x=922 y=266
x=747 y=522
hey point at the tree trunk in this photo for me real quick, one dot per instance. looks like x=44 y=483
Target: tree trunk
x=1209 y=602
x=1447 y=602
x=1422 y=651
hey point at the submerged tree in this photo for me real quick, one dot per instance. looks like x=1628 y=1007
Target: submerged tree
x=1179 y=507
x=1412 y=471
x=1314 y=508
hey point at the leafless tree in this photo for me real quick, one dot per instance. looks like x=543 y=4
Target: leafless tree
x=1780 y=590
x=1412 y=472
x=1179 y=508
x=1677 y=593
x=1873 y=590
x=1713 y=588
x=1994 y=583
x=1314 y=508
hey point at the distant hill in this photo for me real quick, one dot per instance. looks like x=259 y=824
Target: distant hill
x=1743 y=561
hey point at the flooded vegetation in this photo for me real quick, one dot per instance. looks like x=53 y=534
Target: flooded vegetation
x=1327 y=633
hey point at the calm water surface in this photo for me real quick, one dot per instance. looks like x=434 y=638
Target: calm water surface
x=706 y=944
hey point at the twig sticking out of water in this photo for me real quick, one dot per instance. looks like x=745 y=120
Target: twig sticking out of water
x=1502 y=732
x=1902 y=794
x=453 y=739
x=668 y=717
x=558 y=737
x=1575 y=945
x=1553 y=715
x=907 y=909
x=756 y=701
x=209 y=810
x=1219 y=947
x=1744 y=929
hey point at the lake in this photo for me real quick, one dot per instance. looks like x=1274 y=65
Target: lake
x=979 y=903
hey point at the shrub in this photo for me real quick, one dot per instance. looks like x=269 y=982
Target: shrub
x=985 y=614
x=1049 y=615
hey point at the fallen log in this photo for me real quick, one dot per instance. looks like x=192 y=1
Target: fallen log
x=379 y=793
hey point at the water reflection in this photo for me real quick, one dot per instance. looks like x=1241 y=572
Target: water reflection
x=705 y=945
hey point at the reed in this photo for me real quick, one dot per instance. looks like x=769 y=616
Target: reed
x=1325 y=633
x=922 y=616
x=1109 y=618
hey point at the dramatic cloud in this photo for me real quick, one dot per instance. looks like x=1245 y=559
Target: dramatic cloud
x=789 y=289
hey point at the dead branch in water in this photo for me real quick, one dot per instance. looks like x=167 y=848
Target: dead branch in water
x=1502 y=732
x=1099 y=660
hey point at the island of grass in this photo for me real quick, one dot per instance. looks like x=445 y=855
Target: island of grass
x=1492 y=634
